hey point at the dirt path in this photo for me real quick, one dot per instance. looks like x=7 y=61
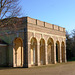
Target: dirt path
x=58 y=69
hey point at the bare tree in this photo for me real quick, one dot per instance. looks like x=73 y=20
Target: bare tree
x=13 y=24
x=9 y=8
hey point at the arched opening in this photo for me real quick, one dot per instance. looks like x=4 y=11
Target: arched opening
x=33 y=51
x=42 y=52
x=18 y=53
x=57 y=51
x=63 y=52
x=50 y=50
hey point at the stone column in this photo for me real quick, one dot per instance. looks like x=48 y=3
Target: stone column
x=60 y=55
x=46 y=58
x=38 y=54
x=29 y=55
x=65 y=54
x=54 y=58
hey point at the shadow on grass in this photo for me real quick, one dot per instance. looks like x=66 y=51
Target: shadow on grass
x=7 y=68
x=33 y=67
x=36 y=67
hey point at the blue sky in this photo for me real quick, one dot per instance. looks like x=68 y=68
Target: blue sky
x=59 y=12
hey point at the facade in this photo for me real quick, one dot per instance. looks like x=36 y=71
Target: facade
x=37 y=43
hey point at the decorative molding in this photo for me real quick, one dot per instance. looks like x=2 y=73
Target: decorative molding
x=45 y=33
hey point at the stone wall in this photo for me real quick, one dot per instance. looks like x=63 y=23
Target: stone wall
x=45 y=24
x=3 y=55
x=42 y=30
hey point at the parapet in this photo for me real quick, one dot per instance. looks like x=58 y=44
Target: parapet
x=45 y=24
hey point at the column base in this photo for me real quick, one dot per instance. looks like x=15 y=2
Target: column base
x=60 y=61
x=54 y=62
x=38 y=64
x=65 y=61
x=27 y=65
x=46 y=63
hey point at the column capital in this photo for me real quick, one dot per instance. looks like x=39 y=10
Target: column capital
x=29 y=43
x=46 y=44
x=38 y=43
x=55 y=44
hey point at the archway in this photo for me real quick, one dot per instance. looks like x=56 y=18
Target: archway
x=63 y=52
x=50 y=50
x=42 y=52
x=33 y=51
x=57 y=51
x=18 y=52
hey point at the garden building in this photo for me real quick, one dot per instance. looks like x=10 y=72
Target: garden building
x=34 y=43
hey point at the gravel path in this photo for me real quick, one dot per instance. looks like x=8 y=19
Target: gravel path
x=57 y=69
